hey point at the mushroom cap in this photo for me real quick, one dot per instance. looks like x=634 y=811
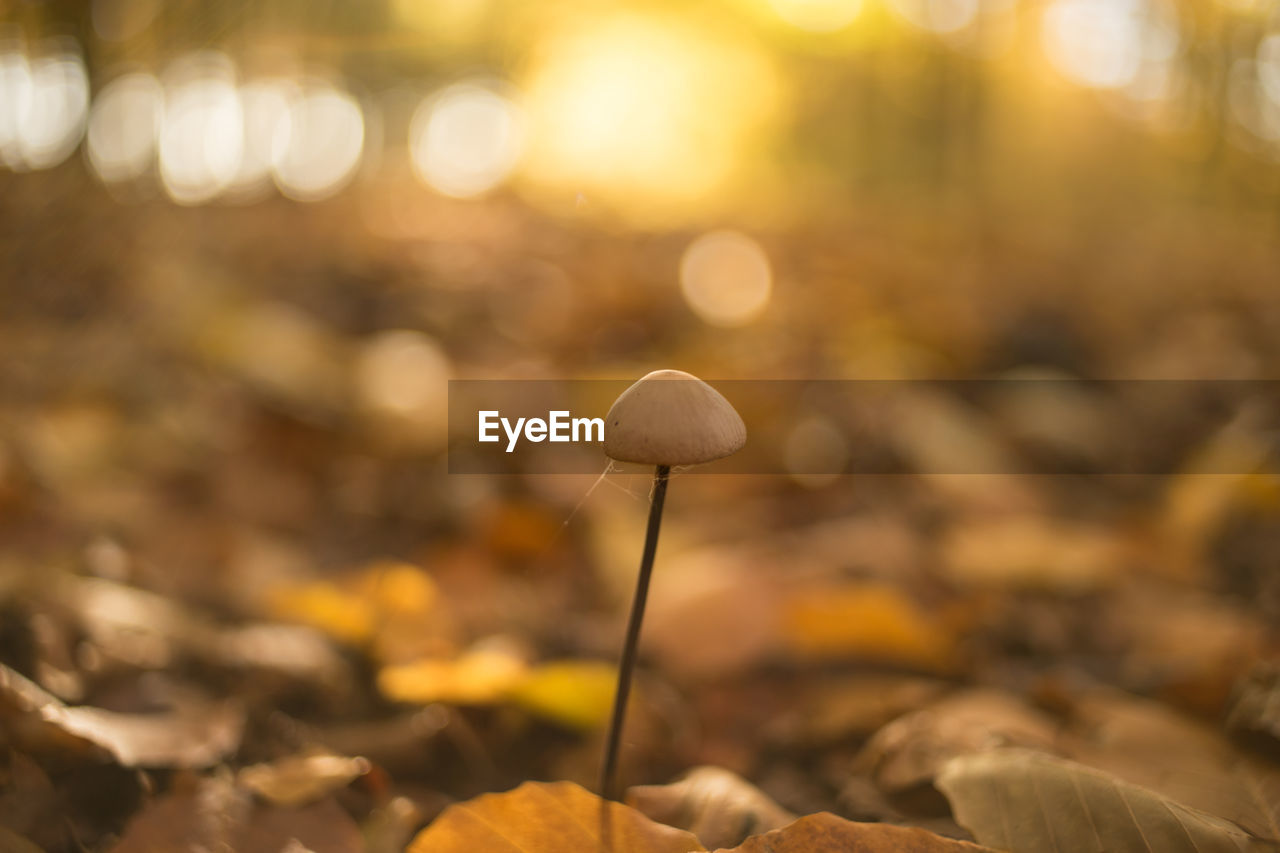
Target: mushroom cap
x=670 y=417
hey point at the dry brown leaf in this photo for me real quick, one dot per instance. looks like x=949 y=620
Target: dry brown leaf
x=912 y=749
x=715 y=614
x=1255 y=707
x=718 y=806
x=1033 y=552
x=1189 y=646
x=826 y=833
x=1028 y=802
x=218 y=816
x=192 y=735
x=852 y=708
x=301 y=779
x=540 y=817
x=1130 y=737
x=146 y=630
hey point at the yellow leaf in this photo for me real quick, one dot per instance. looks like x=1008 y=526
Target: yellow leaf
x=575 y=693
x=479 y=677
x=541 y=817
x=400 y=589
x=324 y=606
x=866 y=621
x=386 y=605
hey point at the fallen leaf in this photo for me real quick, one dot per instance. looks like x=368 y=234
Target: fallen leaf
x=912 y=749
x=324 y=605
x=540 y=817
x=391 y=608
x=866 y=621
x=301 y=779
x=1028 y=802
x=718 y=806
x=146 y=630
x=1185 y=645
x=192 y=735
x=826 y=833
x=716 y=613
x=1129 y=737
x=480 y=676
x=1255 y=706
x=578 y=694
x=832 y=711
x=1032 y=552
x=219 y=816
x=199 y=736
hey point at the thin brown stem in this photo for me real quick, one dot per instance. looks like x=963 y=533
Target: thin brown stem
x=609 y=773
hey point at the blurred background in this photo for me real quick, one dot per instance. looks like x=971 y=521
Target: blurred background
x=245 y=245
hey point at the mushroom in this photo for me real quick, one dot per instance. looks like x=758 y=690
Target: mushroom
x=667 y=418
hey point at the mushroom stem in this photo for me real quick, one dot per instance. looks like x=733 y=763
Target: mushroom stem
x=608 y=775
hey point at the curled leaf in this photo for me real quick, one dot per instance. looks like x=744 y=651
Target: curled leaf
x=1028 y=802
x=718 y=806
x=198 y=736
x=910 y=750
x=193 y=734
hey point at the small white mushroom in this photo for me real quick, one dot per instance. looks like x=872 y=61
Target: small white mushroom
x=672 y=418
x=666 y=418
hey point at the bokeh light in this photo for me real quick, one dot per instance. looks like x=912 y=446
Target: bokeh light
x=1269 y=66
x=1105 y=43
x=15 y=96
x=202 y=131
x=1250 y=104
x=123 y=124
x=647 y=115
x=466 y=139
x=402 y=376
x=264 y=105
x=318 y=149
x=44 y=103
x=819 y=16
x=726 y=278
x=939 y=16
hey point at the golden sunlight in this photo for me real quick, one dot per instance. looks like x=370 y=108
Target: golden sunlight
x=647 y=116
